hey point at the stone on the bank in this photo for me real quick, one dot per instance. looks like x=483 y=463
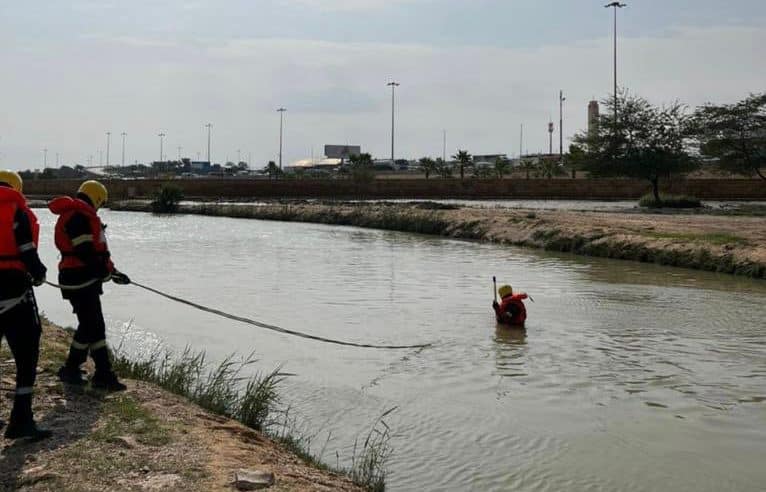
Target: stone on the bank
x=253 y=479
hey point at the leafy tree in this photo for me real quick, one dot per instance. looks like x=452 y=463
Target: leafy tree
x=464 y=159
x=528 y=165
x=646 y=142
x=734 y=135
x=167 y=199
x=575 y=159
x=502 y=167
x=272 y=170
x=548 y=168
x=483 y=172
x=428 y=165
x=361 y=168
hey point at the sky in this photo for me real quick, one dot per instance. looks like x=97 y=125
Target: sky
x=475 y=69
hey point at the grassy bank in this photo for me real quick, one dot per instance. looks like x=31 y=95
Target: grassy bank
x=180 y=426
x=718 y=243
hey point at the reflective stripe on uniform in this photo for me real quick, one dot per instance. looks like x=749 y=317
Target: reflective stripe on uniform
x=15 y=225
x=27 y=247
x=24 y=390
x=85 y=238
x=8 y=304
x=79 y=346
x=98 y=345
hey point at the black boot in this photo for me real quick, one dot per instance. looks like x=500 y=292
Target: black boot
x=107 y=381
x=22 y=422
x=73 y=376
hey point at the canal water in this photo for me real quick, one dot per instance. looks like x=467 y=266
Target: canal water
x=629 y=377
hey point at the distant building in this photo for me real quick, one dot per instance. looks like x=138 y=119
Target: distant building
x=593 y=116
x=489 y=157
x=200 y=167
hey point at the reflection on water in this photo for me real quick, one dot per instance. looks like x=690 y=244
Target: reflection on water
x=628 y=376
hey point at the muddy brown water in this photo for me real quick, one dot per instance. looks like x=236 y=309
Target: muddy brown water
x=629 y=377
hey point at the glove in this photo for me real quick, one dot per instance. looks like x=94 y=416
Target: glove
x=120 y=278
x=39 y=280
x=495 y=305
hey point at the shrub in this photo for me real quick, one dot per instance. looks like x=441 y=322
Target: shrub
x=669 y=201
x=166 y=200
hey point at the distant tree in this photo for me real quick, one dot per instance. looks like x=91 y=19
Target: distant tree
x=734 y=135
x=646 y=142
x=444 y=169
x=528 y=165
x=502 y=167
x=272 y=170
x=242 y=166
x=464 y=159
x=575 y=159
x=548 y=168
x=483 y=171
x=361 y=168
x=428 y=165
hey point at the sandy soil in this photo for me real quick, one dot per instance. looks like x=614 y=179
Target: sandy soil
x=142 y=439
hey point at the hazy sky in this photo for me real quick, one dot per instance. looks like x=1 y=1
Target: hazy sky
x=73 y=70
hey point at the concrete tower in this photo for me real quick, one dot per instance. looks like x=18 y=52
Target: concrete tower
x=593 y=114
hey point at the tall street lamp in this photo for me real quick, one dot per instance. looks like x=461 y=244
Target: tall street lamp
x=561 y=124
x=122 y=161
x=45 y=158
x=208 y=126
x=162 y=136
x=281 y=112
x=108 y=141
x=615 y=6
x=393 y=85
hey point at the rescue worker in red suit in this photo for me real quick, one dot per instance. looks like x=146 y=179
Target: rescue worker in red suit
x=20 y=270
x=85 y=264
x=511 y=310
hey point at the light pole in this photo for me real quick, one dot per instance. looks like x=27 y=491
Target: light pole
x=444 y=148
x=561 y=124
x=550 y=138
x=393 y=85
x=122 y=161
x=161 y=135
x=57 y=159
x=208 y=126
x=45 y=158
x=239 y=156
x=615 y=6
x=281 y=112
x=179 y=153
x=108 y=141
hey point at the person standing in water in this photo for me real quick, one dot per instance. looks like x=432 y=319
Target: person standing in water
x=511 y=310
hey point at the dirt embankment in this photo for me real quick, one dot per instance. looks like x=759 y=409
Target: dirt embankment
x=728 y=244
x=142 y=439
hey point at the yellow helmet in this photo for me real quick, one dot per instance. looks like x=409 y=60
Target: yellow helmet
x=505 y=290
x=12 y=179
x=95 y=191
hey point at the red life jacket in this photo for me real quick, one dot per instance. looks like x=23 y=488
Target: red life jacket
x=65 y=207
x=521 y=312
x=10 y=202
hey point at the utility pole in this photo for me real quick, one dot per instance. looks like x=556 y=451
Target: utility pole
x=393 y=86
x=179 y=153
x=122 y=160
x=100 y=158
x=550 y=138
x=239 y=156
x=615 y=6
x=90 y=160
x=108 y=141
x=521 y=142
x=208 y=126
x=561 y=125
x=444 y=147
x=162 y=136
x=281 y=112
x=45 y=158
x=57 y=159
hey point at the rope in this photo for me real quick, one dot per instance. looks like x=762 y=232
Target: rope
x=74 y=287
x=247 y=320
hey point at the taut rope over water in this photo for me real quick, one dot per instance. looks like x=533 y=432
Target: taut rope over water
x=251 y=321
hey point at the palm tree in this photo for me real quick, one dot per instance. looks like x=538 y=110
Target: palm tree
x=464 y=158
x=428 y=165
x=502 y=166
x=443 y=168
x=528 y=165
